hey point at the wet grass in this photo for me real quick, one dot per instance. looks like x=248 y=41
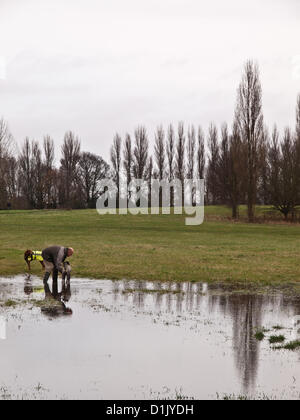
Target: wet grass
x=10 y=303
x=292 y=345
x=276 y=339
x=259 y=335
x=152 y=291
x=241 y=397
x=157 y=248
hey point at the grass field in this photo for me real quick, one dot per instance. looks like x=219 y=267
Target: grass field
x=155 y=247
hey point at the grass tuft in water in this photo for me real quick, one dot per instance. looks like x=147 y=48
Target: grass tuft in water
x=276 y=339
x=278 y=327
x=10 y=303
x=292 y=345
x=259 y=335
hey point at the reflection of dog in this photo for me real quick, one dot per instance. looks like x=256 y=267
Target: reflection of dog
x=33 y=256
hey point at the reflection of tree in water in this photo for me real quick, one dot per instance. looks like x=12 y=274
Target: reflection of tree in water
x=139 y=297
x=247 y=315
x=246 y=312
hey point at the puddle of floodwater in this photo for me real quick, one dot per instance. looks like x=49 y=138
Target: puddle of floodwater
x=138 y=340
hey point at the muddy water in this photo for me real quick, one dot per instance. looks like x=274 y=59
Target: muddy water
x=137 y=340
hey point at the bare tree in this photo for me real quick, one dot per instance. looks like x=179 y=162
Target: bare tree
x=149 y=177
x=191 y=152
x=223 y=166
x=25 y=162
x=237 y=164
x=69 y=163
x=191 y=155
x=49 y=181
x=140 y=153
x=6 y=141
x=250 y=119
x=159 y=154
x=38 y=176
x=213 y=164
x=115 y=157
x=201 y=154
x=12 y=178
x=171 y=160
x=282 y=186
x=180 y=157
x=263 y=168
x=128 y=163
x=92 y=169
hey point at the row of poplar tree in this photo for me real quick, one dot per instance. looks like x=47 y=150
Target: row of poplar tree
x=241 y=164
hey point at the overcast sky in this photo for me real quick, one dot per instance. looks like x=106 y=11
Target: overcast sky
x=101 y=66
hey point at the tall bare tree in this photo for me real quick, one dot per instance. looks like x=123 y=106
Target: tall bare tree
x=26 y=173
x=213 y=164
x=237 y=164
x=159 y=154
x=149 y=177
x=69 y=164
x=250 y=119
x=140 y=153
x=128 y=163
x=49 y=181
x=171 y=159
x=116 y=157
x=180 y=157
x=223 y=167
x=6 y=141
x=201 y=154
x=263 y=168
x=38 y=175
x=191 y=152
x=191 y=158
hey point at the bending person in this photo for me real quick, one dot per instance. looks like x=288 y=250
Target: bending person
x=54 y=258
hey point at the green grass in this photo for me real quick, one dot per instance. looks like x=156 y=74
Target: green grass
x=276 y=339
x=292 y=345
x=259 y=335
x=10 y=303
x=155 y=247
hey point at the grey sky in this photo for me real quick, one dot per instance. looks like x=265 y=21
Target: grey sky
x=101 y=66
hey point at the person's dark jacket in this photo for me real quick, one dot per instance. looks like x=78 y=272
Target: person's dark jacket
x=56 y=255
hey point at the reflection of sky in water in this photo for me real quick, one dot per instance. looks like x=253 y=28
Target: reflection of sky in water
x=124 y=341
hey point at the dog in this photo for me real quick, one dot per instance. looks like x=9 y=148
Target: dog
x=30 y=256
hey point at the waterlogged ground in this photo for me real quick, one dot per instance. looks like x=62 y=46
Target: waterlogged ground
x=139 y=340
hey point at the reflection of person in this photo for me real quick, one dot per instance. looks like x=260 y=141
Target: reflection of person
x=54 y=258
x=54 y=305
x=66 y=282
